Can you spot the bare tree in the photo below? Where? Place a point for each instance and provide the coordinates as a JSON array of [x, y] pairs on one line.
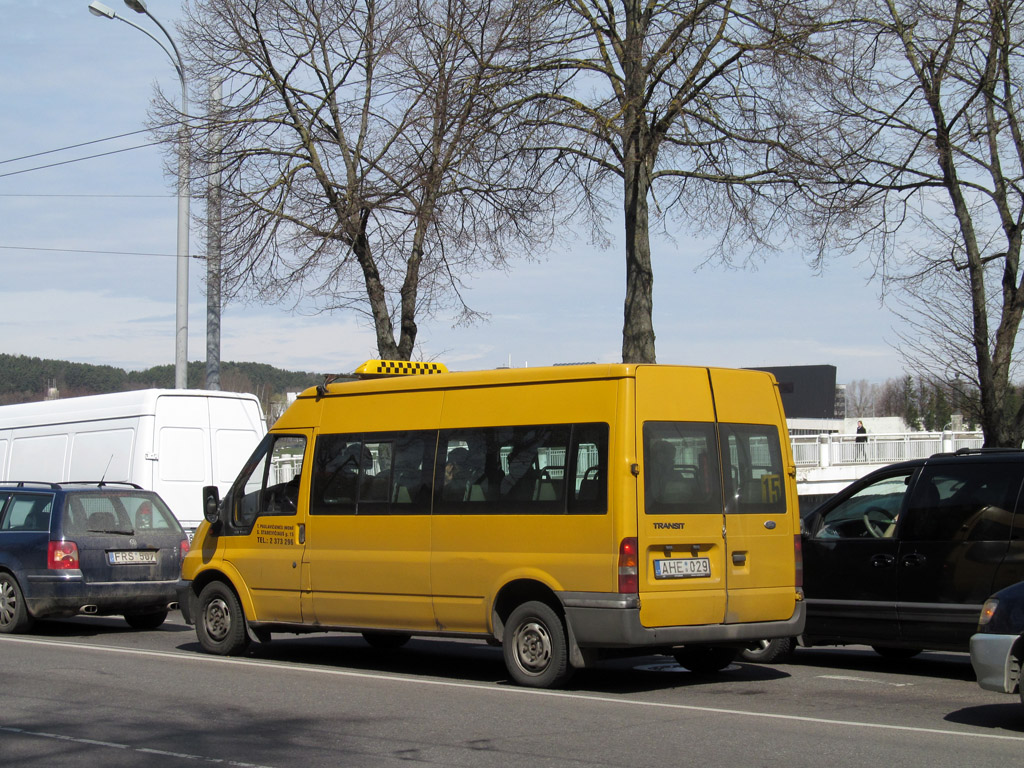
[[678, 101], [369, 152], [927, 164]]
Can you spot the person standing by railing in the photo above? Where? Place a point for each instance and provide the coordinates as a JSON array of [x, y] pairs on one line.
[[861, 440]]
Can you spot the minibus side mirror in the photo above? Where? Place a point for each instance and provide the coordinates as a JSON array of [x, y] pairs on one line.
[[211, 504]]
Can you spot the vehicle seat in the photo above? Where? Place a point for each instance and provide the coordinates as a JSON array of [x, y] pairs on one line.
[[102, 521]]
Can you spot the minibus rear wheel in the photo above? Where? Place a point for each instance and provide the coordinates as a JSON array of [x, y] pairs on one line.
[[535, 646], [220, 623]]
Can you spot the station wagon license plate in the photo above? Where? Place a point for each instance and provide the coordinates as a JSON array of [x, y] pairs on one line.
[[683, 568], [131, 557]]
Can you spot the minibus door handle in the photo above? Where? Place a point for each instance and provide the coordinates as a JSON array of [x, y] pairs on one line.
[[302, 533]]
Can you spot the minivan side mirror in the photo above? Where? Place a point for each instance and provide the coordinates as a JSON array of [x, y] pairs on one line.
[[211, 504]]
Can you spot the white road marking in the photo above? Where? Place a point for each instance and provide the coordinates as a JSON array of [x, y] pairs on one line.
[[852, 679], [129, 747], [200, 658]]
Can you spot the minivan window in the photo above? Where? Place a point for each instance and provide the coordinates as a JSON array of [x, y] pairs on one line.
[[964, 502], [871, 512]]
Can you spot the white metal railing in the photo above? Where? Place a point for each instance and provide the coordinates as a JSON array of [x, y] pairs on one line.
[[834, 449]]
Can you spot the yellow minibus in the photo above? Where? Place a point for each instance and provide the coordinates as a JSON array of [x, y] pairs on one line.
[[566, 513]]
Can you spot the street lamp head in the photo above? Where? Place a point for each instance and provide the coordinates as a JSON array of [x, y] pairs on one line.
[[136, 5], [99, 9]]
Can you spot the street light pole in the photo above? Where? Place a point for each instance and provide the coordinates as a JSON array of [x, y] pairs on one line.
[[181, 313]]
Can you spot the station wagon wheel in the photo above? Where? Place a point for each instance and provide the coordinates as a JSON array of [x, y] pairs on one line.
[[535, 646], [14, 616], [150, 620], [220, 623]]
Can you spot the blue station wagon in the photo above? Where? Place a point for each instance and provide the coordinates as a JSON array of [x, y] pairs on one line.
[[93, 549]]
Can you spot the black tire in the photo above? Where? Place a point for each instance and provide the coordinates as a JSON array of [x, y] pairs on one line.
[[386, 641], [705, 659], [768, 651], [14, 617], [895, 654], [220, 622], [535, 646], [146, 620]]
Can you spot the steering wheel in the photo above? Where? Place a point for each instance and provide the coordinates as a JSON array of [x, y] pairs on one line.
[[883, 517]]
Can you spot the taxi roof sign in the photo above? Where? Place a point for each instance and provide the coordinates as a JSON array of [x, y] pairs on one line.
[[399, 368]]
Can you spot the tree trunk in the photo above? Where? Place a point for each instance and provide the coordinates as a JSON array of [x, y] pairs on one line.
[[638, 322]]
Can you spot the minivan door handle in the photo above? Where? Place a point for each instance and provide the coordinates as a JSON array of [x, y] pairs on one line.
[[882, 561], [302, 533], [913, 561]]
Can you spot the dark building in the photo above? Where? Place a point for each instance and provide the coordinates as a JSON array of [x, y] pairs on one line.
[[808, 391]]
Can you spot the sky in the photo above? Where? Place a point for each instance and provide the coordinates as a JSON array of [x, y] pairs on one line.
[[88, 269]]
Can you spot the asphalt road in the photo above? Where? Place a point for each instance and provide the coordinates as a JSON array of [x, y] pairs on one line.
[[94, 691]]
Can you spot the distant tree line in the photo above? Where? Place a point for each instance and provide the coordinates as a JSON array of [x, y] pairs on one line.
[[28, 379], [924, 403]]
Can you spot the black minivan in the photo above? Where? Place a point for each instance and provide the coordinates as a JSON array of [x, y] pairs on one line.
[[903, 559], [95, 549]]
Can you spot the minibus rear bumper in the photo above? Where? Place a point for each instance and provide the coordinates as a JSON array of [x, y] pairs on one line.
[[598, 620]]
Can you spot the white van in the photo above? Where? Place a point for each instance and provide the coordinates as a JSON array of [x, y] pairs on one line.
[[172, 441]]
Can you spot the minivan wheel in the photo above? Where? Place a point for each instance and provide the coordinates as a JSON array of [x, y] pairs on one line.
[[146, 620], [220, 622], [895, 654], [705, 659], [14, 616], [767, 651], [535, 646]]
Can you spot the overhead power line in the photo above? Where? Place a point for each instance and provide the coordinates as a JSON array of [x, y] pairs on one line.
[[75, 160], [103, 253], [82, 144]]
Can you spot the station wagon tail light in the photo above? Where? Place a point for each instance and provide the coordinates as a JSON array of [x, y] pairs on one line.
[[185, 547], [988, 610], [628, 566], [62, 555]]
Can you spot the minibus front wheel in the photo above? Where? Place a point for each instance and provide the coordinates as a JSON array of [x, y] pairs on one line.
[[220, 622], [535, 646]]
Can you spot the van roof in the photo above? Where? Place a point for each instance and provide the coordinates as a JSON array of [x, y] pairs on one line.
[[138, 402], [490, 377]]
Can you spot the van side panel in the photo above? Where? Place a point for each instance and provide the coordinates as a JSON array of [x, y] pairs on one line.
[[476, 554], [36, 456], [759, 536], [102, 453], [667, 396], [372, 570]]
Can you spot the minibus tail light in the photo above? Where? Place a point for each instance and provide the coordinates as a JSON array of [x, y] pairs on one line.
[[62, 555], [798, 558], [629, 580]]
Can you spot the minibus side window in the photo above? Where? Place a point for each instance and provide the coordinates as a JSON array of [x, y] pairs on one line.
[[681, 468], [754, 481], [270, 481], [523, 469], [378, 474]]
